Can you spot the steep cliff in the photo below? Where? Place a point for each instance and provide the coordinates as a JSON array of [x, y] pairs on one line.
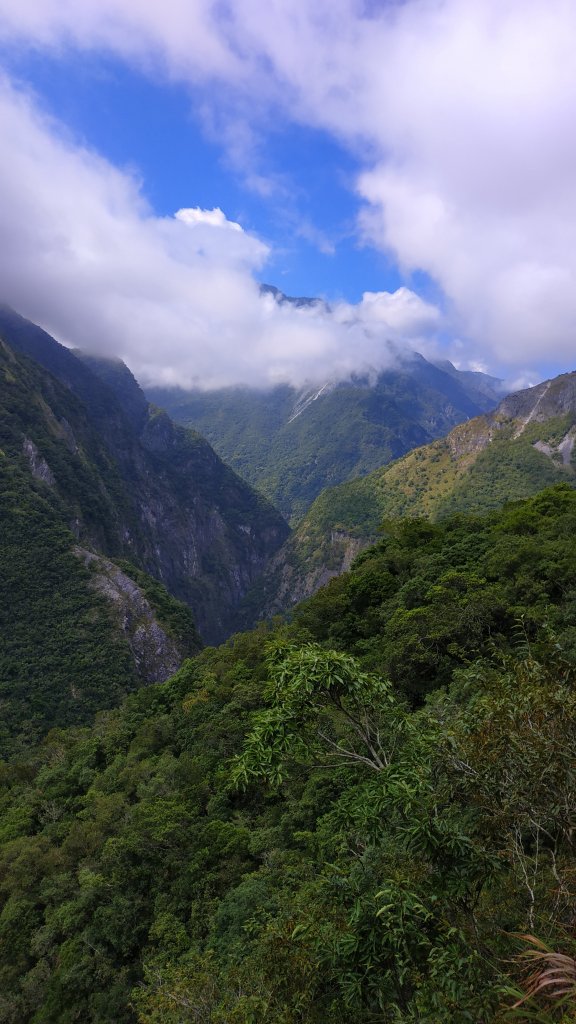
[[145, 489], [76, 633]]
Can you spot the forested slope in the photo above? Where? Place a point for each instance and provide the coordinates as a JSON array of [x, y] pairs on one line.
[[526, 444], [347, 819], [290, 443], [76, 632], [147, 490]]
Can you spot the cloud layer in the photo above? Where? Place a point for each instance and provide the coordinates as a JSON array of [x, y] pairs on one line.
[[84, 255], [461, 111]]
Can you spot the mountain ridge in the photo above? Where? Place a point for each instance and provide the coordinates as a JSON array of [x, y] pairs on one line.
[[178, 512], [525, 444], [292, 442], [108, 521]]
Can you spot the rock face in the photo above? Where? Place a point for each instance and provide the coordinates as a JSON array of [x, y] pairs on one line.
[[137, 486], [39, 467], [551, 398], [156, 657], [295, 573], [526, 444]]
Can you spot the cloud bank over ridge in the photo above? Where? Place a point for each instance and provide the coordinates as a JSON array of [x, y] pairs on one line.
[[175, 297], [461, 113]]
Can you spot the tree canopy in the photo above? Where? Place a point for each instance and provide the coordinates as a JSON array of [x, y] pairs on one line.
[[351, 817]]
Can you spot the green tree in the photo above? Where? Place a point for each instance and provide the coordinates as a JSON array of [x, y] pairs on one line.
[[321, 706]]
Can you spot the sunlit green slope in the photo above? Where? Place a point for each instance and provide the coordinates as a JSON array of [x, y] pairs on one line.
[[525, 445], [291, 443]]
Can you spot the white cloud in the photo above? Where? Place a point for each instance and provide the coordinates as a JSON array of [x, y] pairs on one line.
[[402, 312], [179, 35], [462, 112], [84, 255], [468, 107], [194, 215]]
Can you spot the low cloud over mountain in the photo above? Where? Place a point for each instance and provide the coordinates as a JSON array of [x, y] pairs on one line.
[[459, 114], [176, 297]]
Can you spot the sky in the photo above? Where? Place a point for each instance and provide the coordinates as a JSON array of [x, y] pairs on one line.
[[412, 163]]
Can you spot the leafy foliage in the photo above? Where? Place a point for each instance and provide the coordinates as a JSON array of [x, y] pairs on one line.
[[321, 707], [282, 833]]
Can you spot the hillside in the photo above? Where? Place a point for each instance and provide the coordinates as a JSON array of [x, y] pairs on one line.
[[292, 443], [152, 492], [357, 817], [526, 444], [110, 518], [76, 631]]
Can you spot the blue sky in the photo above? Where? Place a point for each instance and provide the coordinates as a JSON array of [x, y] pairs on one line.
[[157, 131], [356, 152]]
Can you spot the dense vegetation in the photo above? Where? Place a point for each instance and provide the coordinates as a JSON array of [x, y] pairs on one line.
[[131, 483], [291, 444], [64, 651], [344, 819], [480, 465], [476, 468], [62, 656]]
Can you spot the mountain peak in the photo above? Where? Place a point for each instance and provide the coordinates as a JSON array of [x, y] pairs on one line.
[[300, 301], [291, 442], [116, 375]]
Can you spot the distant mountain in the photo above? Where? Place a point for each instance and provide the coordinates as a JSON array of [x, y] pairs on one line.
[[107, 509], [526, 444], [299, 301], [291, 443]]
